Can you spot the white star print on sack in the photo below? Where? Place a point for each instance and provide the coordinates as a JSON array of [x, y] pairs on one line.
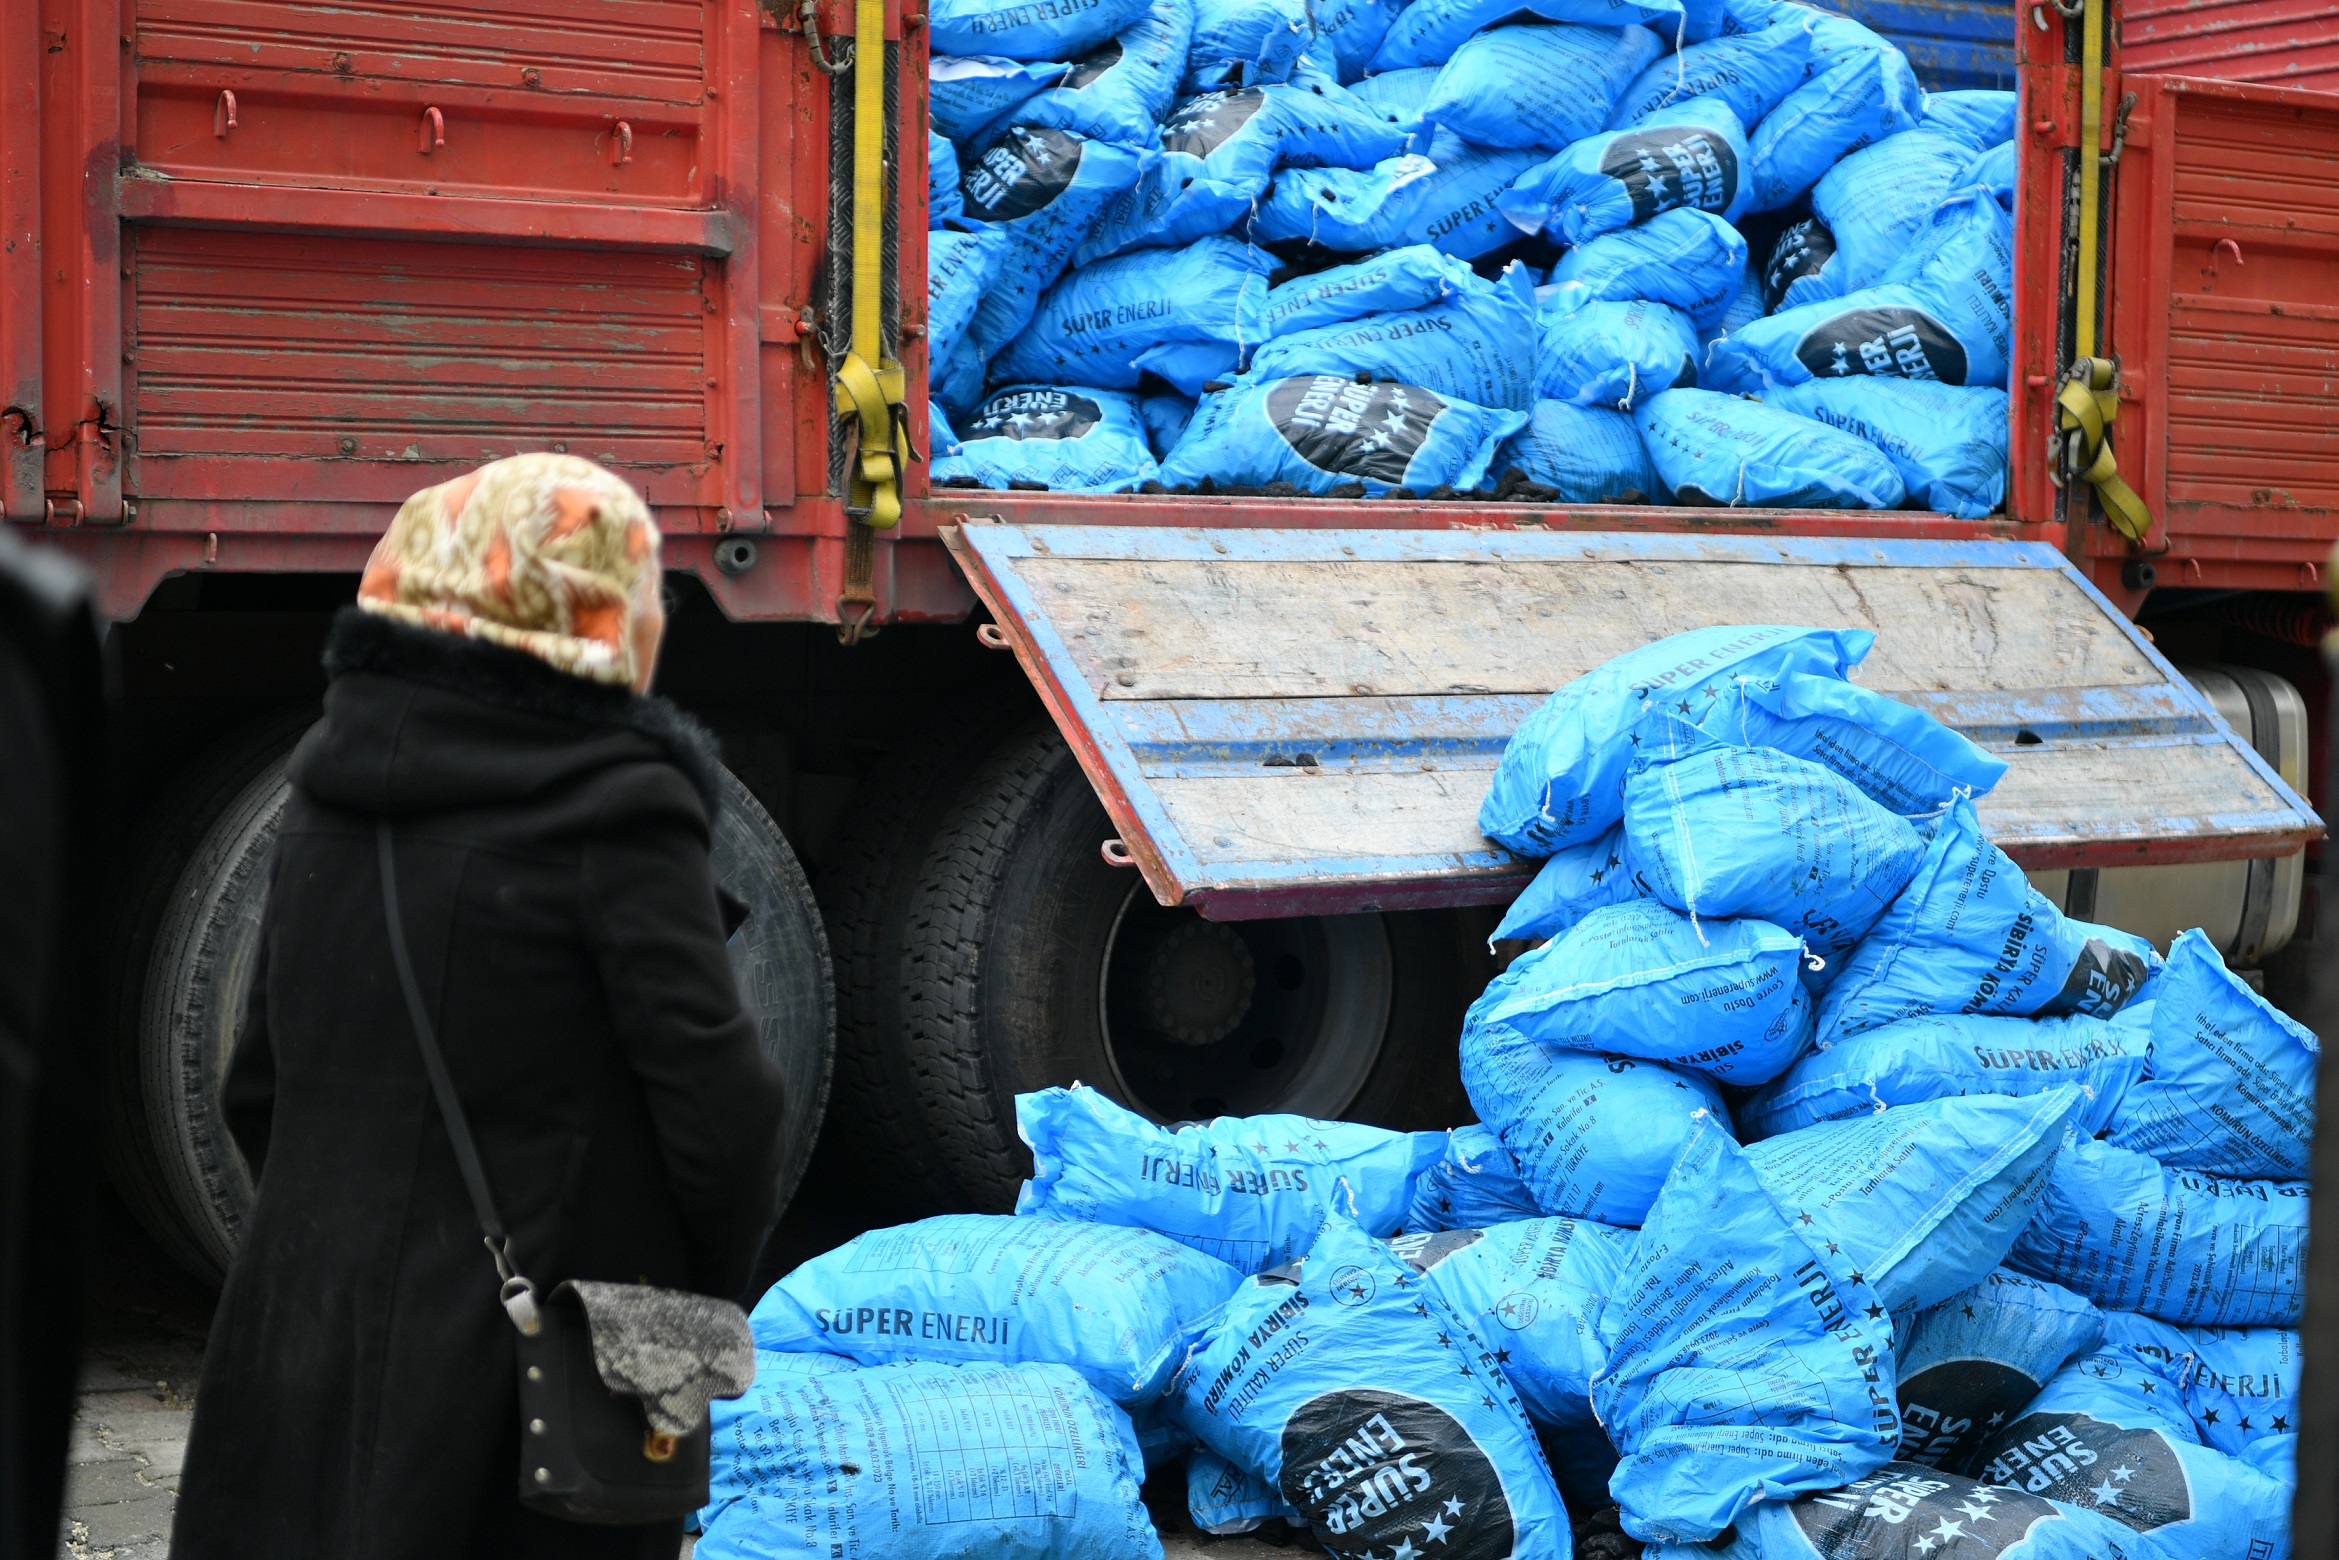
[[1907, 1512], [1345, 1381], [2110, 1434]]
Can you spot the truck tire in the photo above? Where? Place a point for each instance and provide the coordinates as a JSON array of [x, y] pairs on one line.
[[872, 1147], [1030, 961], [185, 1179], [162, 1160]]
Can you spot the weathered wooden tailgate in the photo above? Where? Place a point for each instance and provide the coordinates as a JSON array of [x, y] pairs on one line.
[[1287, 721]]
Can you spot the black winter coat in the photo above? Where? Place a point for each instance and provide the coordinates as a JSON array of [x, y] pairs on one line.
[[358, 1394]]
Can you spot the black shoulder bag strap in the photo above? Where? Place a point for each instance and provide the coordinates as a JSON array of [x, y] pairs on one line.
[[518, 1293]]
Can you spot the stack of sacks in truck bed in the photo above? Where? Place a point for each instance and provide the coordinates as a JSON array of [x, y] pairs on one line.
[[1716, 252], [1827, 1177]]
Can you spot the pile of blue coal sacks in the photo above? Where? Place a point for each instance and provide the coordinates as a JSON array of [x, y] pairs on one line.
[[1833, 1194], [1710, 252]]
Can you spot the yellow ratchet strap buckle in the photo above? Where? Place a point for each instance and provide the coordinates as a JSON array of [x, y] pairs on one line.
[[2087, 403], [873, 398]]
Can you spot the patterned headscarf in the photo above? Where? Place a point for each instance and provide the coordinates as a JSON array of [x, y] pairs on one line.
[[547, 554]]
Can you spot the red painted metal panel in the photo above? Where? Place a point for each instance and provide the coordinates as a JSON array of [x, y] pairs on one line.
[[21, 443], [2279, 42], [2226, 243], [282, 366], [81, 312]]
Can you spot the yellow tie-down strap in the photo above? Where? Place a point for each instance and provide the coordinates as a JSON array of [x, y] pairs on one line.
[[2088, 401], [873, 398]]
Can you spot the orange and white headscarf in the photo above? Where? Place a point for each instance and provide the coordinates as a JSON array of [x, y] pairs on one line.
[[547, 554]]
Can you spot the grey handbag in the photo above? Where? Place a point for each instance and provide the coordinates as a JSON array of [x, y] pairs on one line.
[[614, 1378]]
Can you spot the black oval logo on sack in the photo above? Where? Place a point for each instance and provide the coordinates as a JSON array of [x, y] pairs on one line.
[[1204, 122], [1422, 1252], [2131, 1476], [2101, 981], [1353, 1286], [1947, 1409], [1802, 250], [1338, 425], [1665, 169], [1090, 67], [1904, 1512], [1894, 342], [1019, 173], [1375, 1471], [1034, 414]]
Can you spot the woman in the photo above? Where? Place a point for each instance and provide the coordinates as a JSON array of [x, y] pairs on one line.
[[358, 1393]]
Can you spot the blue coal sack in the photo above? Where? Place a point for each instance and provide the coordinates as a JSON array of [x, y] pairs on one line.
[[1746, 831], [1613, 354], [1907, 1511], [1940, 1056], [1091, 326], [1570, 885], [1975, 1360], [923, 1462], [1951, 319], [1970, 935], [1857, 101], [960, 268], [1028, 29], [1476, 1184], [1397, 96], [1691, 155], [965, 95], [2100, 1439], [1593, 1134], [1350, 31], [1902, 757], [1531, 1291], [1746, 1362], [2188, 1248], [1690, 259], [1043, 188], [1583, 454], [1250, 1190], [1466, 347], [1561, 777], [1446, 199], [1220, 148], [1244, 43], [943, 202], [1924, 1200], [1748, 71], [1112, 1303], [1981, 119], [2240, 1384], [1640, 979], [1322, 431], [1802, 267], [2232, 1087], [1537, 85], [1345, 1382], [1948, 442], [1409, 278], [1878, 199], [1119, 90], [1430, 32], [1165, 417], [1068, 439], [1223, 1499], [1714, 449]]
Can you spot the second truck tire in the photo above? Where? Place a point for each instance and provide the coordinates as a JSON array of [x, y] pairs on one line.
[[1027, 960]]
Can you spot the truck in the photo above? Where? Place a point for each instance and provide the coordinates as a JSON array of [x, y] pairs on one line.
[[1175, 795]]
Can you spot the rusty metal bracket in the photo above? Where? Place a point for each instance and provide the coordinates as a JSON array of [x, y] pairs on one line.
[[808, 13]]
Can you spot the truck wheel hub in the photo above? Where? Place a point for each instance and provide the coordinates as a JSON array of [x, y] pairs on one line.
[[1199, 982]]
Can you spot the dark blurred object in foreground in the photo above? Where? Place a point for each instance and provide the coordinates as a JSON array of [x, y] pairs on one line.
[[51, 720]]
